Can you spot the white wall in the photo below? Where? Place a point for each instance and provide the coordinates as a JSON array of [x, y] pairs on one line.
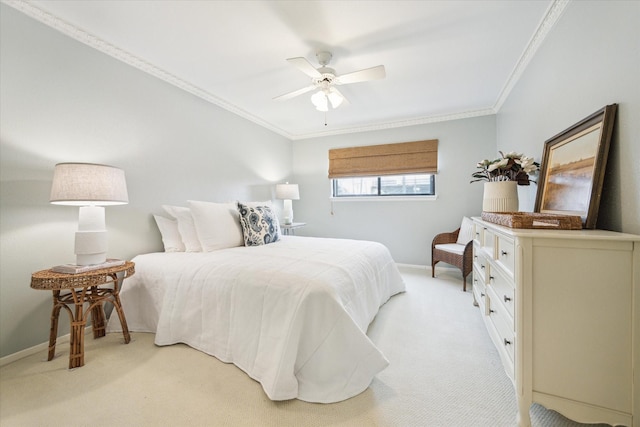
[[590, 59], [405, 227], [63, 101]]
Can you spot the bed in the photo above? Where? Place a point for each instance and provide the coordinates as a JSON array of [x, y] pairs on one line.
[[292, 314]]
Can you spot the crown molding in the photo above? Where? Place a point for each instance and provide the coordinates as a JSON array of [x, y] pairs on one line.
[[546, 24], [399, 123]]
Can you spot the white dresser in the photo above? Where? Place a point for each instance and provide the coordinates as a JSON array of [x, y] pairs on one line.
[[563, 309]]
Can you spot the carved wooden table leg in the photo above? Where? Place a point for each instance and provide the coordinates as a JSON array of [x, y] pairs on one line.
[[98, 320], [53, 333], [118, 307], [78, 323]]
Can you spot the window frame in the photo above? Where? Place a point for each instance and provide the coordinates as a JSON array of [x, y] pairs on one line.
[[378, 195]]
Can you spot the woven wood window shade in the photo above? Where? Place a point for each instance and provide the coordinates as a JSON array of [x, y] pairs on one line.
[[387, 159]]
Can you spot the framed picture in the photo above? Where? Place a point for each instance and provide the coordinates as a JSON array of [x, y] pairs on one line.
[[573, 166]]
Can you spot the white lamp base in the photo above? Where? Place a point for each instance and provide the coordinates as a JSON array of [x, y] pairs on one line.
[[91, 259], [91, 237], [287, 212]]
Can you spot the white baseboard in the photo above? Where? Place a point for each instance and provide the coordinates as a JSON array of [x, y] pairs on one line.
[[43, 347], [414, 266], [427, 267]]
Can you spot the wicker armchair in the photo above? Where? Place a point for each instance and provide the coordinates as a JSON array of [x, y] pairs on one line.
[[460, 256]]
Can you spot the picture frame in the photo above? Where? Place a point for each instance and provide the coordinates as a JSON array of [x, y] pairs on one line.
[[573, 168]]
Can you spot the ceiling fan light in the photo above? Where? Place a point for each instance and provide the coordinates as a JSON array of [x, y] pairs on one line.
[[335, 98], [319, 99]]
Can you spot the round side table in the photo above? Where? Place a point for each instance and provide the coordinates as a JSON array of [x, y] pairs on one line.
[[83, 288]]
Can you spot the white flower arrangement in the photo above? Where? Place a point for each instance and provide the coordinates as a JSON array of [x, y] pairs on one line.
[[510, 167]]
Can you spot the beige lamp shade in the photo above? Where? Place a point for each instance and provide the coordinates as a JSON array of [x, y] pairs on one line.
[[82, 184], [287, 191]]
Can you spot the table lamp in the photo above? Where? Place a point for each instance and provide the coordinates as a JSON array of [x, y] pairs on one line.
[[287, 192], [90, 186]]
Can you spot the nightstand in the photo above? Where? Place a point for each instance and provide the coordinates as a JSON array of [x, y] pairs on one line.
[[83, 288], [290, 229]]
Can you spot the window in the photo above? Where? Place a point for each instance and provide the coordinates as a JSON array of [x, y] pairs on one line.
[[392, 185]]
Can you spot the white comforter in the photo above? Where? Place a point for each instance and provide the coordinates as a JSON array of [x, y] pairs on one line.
[[292, 314]]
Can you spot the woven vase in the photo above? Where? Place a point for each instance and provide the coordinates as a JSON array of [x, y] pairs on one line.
[[500, 196]]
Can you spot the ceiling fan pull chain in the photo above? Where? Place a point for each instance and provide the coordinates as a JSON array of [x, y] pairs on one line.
[[325, 118]]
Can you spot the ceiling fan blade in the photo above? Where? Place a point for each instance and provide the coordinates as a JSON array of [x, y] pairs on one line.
[[373, 73], [305, 66], [294, 93]]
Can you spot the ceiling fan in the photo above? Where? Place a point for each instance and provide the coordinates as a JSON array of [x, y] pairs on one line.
[[324, 80]]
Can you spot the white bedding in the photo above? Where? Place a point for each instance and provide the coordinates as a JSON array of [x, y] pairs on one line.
[[292, 314]]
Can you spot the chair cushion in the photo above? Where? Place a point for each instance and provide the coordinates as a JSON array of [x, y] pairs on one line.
[[451, 247], [466, 231]]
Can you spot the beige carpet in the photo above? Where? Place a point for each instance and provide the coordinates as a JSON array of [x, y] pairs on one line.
[[444, 371]]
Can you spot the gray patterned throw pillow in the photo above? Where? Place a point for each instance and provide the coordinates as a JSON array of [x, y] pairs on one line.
[[259, 225]]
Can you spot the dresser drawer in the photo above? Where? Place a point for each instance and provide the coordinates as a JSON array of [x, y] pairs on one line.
[[503, 288], [502, 322], [479, 289], [505, 253], [479, 296], [478, 233], [478, 279], [480, 262], [489, 242]]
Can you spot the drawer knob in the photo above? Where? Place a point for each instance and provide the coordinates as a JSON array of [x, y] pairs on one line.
[[481, 294], [503, 253], [506, 299], [491, 311], [482, 266], [507, 342], [491, 278]]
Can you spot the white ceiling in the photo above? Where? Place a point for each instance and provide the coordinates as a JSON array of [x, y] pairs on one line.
[[444, 59]]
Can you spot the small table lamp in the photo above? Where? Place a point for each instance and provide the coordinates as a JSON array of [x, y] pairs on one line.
[[91, 187], [287, 192]]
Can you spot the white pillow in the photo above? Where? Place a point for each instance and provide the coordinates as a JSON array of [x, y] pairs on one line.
[[171, 238], [217, 224], [466, 231], [185, 227]]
